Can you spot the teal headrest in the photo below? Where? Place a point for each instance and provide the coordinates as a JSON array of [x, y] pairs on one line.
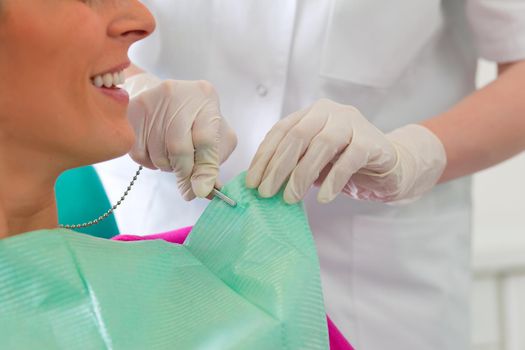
[[82, 198]]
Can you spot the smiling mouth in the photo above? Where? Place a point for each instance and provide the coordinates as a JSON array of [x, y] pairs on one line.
[[109, 80]]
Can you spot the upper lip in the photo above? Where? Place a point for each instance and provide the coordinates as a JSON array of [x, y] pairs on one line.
[[115, 69]]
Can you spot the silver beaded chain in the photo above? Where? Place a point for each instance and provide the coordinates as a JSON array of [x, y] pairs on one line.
[[108, 213]]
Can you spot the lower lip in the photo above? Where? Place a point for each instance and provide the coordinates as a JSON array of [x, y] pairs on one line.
[[119, 95]]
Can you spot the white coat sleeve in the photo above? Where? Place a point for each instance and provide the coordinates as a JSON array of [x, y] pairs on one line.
[[499, 28]]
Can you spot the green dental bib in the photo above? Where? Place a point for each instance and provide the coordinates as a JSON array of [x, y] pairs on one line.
[[246, 278]]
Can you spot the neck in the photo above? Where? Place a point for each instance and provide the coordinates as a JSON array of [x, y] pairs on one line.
[[27, 198]]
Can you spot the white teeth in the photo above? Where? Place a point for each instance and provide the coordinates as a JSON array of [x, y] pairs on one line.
[[98, 81], [122, 77], [109, 79]]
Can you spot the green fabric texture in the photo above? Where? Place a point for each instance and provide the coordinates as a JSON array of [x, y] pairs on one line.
[[247, 278], [82, 198]]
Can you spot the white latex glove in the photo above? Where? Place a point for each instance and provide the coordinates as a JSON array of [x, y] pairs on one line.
[[334, 146], [179, 128]]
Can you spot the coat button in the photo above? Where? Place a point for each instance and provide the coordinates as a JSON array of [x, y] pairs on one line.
[[262, 90]]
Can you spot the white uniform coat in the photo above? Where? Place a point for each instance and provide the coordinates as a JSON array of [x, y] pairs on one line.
[[394, 277]]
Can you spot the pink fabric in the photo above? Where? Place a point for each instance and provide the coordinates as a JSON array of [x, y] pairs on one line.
[[177, 236], [337, 340]]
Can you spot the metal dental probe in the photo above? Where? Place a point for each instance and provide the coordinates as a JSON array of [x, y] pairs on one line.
[[224, 198]]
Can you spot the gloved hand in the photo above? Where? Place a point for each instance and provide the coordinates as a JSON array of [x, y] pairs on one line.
[[179, 128], [335, 147]]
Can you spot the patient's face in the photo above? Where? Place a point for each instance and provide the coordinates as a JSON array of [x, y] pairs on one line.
[[50, 52]]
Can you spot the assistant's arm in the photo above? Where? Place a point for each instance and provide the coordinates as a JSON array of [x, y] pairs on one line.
[[486, 127]]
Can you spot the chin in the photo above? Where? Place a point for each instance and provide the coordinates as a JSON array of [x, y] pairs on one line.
[[121, 145], [111, 146]]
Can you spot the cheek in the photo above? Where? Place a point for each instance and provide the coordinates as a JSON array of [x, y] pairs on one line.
[[48, 68]]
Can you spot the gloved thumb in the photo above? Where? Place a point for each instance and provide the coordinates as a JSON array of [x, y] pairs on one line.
[[206, 140]]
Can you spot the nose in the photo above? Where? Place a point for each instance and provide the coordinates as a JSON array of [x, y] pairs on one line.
[[133, 23]]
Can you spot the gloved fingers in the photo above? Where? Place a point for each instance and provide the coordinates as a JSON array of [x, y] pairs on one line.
[[353, 158], [159, 111], [179, 146], [185, 189], [137, 115], [182, 167], [158, 137], [288, 153], [268, 147], [327, 145], [218, 185], [324, 173], [206, 141], [281, 165], [262, 157], [228, 141], [307, 171], [180, 152]]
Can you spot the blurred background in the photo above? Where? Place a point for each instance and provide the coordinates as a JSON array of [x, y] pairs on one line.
[[498, 255]]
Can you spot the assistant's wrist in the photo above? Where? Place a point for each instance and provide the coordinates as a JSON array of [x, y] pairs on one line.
[[422, 160]]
